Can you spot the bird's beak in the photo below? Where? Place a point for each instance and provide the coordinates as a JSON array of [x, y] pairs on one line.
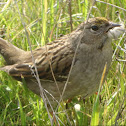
[[112, 25]]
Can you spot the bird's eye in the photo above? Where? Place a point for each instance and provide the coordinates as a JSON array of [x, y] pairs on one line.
[[94, 28]]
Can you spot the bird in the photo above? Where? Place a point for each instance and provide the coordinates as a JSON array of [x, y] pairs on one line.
[[73, 62]]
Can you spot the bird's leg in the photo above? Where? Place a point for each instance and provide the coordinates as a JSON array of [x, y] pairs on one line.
[[67, 102]]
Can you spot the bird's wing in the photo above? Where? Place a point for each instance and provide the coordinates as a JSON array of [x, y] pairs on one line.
[[52, 61]]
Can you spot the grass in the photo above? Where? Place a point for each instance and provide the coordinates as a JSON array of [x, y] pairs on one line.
[[45, 21]]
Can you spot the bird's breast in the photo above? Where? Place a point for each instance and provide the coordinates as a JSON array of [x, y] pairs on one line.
[[87, 71]]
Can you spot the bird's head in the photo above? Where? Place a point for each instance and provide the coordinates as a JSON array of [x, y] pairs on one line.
[[99, 30]]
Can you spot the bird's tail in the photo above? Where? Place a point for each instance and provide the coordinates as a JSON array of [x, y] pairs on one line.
[[10, 52]]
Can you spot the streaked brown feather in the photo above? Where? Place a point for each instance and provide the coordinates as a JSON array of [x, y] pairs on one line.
[[50, 59]]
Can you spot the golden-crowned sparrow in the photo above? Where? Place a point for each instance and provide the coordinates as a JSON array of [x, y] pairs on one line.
[[91, 42]]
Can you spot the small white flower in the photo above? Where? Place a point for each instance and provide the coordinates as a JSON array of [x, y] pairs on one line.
[[77, 107], [8, 89]]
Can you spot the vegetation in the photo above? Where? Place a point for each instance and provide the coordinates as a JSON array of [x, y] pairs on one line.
[[44, 21]]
